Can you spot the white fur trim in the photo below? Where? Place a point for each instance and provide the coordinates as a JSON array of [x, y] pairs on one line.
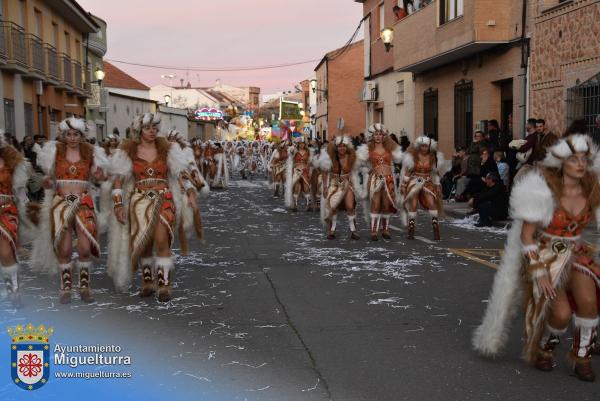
[[325, 162], [47, 157], [101, 161], [42, 255], [491, 336], [530, 248], [531, 199], [72, 123], [586, 323], [537, 273], [345, 139], [561, 150], [398, 155], [362, 154], [120, 164], [424, 140]]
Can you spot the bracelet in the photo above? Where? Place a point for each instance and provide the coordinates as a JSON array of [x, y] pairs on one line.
[[116, 205]]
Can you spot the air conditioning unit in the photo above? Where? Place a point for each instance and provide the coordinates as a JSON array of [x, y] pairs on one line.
[[370, 92]]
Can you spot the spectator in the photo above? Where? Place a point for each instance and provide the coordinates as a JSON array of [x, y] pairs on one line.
[[503, 169], [404, 143], [394, 138], [545, 140], [473, 164], [409, 6], [492, 202], [493, 135], [116, 131], [477, 182], [28, 150], [399, 12], [449, 180]]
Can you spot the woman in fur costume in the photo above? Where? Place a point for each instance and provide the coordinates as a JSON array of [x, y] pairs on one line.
[[316, 177], [70, 165], [551, 205], [221, 177], [341, 167], [14, 173], [298, 175], [192, 183], [383, 153], [422, 169], [278, 166], [148, 203]]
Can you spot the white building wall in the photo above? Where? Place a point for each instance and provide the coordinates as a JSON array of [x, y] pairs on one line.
[[174, 119], [182, 98], [398, 117], [144, 94]]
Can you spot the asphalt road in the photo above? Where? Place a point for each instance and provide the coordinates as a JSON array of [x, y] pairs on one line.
[[266, 308]]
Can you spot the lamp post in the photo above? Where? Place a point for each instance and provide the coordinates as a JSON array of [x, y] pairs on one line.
[[99, 75], [167, 100], [387, 36], [170, 78]]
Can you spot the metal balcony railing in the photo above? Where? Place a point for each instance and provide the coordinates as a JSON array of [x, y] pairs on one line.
[[51, 62], [67, 69], [36, 53], [78, 78], [15, 43], [3, 52]]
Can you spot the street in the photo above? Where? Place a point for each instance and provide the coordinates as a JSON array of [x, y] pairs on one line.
[[267, 309]]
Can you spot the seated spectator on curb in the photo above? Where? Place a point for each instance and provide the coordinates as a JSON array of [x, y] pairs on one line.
[[451, 178], [477, 183], [503, 169], [492, 202]]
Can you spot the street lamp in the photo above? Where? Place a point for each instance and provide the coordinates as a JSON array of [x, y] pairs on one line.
[[99, 75], [167, 99], [387, 36]]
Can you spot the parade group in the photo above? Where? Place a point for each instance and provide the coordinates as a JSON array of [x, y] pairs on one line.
[[144, 192]]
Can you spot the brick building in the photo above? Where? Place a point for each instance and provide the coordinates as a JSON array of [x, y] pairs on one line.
[[565, 62], [339, 78], [466, 57], [388, 95]]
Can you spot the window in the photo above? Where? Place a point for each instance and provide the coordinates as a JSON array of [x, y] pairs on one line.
[[583, 102], [9, 115], [450, 9], [381, 17], [400, 92], [463, 113], [38, 28], [55, 35], [23, 13], [67, 44]]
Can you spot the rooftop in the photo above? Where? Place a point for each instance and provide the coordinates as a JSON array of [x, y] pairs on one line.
[[117, 78]]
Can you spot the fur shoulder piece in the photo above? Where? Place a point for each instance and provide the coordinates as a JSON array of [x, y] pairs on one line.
[[408, 161], [274, 156], [47, 157], [100, 159], [531, 199], [176, 160], [443, 166], [325, 162], [398, 155], [21, 174], [120, 163], [362, 154]]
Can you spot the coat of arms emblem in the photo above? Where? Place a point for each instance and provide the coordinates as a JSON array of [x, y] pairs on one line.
[[30, 355]]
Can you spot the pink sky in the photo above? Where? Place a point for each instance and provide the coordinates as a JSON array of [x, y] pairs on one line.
[[224, 33]]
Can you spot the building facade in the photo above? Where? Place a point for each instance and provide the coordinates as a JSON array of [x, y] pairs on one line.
[[468, 59], [123, 108], [339, 84], [95, 107], [388, 94], [44, 75], [565, 62]]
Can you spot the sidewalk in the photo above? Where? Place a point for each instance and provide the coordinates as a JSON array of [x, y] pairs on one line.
[[461, 210]]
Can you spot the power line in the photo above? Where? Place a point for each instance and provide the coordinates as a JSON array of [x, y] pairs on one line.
[[215, 69]]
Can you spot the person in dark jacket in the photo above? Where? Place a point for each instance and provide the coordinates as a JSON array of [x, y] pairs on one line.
[[477, 182], [492, 202]]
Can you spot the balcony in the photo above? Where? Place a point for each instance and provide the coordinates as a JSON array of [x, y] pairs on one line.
[[35, 52], [78, 80], [52, 65], [422, 44], [66, 76], [16, 48]]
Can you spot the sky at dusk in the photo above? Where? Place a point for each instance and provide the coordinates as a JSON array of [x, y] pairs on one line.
[[225, 33]]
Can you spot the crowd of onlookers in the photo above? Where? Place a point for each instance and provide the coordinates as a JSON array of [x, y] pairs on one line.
[[483, 172]]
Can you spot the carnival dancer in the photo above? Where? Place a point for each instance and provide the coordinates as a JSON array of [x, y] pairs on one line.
[[71, 165], [383, 196], [298, 171], [111, 144], [278, 167], [316, 178], [193, 184], [147, 205], [252, 159], [551, 205], [198, 146], [221, 177], [14, 173], [341, 168], [422, 168]]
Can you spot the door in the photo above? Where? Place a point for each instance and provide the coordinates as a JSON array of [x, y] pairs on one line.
[[463, 113]]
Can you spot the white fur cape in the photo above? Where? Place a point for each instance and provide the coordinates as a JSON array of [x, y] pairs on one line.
[[531, 201], [119, 253], [193, 167], [27, 230], [289, 174], [43, 257], [222, 170]]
